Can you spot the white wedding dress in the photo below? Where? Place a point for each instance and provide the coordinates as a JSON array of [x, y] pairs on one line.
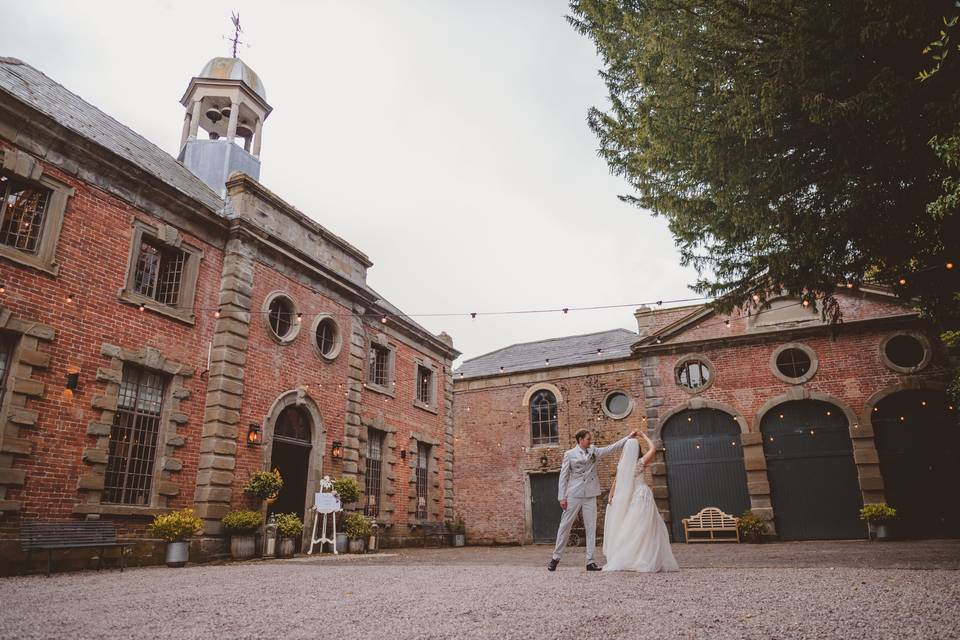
[[634, 535]]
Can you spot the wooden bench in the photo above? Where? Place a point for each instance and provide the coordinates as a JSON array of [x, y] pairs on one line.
[[71, 534], [712, 521]]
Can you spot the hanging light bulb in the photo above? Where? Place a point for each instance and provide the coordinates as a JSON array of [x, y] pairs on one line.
[[726, 323], [299, 318], [3, 288], [949, 265], [849, 285], [903, 281], [216, 314], [142, 307], [383, 320], [756, 297], [69, 298]]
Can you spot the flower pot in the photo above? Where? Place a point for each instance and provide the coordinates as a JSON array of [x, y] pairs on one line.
[[341, 542], [242, 546], [457, 539], [356, 546], [752, 538], [287, 547], [177, 554], [881, 531]]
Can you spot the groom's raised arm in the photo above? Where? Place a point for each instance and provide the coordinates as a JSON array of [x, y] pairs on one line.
[[610, 448], [564, 477]]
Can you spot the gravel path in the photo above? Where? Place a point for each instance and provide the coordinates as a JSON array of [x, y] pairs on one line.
[[465, 594]]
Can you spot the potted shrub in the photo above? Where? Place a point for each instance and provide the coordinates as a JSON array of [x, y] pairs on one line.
[[289, 530], [358, 529], [242, 525], [752, 527], [347, 489], [175, 527], [878, 518], [265, 485]]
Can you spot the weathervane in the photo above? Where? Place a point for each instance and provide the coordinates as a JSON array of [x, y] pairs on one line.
[[237, 30]]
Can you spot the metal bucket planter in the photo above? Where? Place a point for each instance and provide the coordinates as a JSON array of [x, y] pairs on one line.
[[881, 531], [286, 548], [177, 554], [457, 539], [356, 546], [242, 546]]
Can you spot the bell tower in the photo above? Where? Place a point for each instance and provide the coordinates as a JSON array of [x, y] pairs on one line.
[[228, 102]]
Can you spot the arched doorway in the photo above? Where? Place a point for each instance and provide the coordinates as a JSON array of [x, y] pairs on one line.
[[918, 441], [813, 478], [292, 444], [704, 462]]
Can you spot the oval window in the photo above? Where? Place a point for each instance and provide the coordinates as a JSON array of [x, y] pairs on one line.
[[280, 315], [905, 351], [693, 374], [617, 404], [793, 363], [328, 338]]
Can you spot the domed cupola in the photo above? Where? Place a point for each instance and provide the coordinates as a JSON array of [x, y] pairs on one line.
[[228, 101]]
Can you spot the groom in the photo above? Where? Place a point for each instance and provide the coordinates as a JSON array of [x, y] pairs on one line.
[[579, 488]]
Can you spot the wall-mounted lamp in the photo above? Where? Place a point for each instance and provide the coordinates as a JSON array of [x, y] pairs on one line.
[[254, 435], [73, 382], [336, 450], [544, 461]]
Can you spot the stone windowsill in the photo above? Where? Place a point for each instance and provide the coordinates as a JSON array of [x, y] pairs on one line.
[[426, 407], [28, 260], [372, 386], [120, 510], [129, 297]]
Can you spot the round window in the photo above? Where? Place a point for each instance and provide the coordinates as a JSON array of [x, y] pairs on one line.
[[617, 404], [693, 374], [793, 363], [281, 316], [327, 335], [905, 351]]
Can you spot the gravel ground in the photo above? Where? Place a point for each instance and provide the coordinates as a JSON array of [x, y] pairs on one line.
[[505, 593]]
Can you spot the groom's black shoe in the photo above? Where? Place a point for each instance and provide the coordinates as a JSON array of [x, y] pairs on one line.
[[593, 567], [553, 564]]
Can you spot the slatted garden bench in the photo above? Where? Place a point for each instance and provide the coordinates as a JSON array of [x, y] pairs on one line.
[[714, 522], [71, 534]]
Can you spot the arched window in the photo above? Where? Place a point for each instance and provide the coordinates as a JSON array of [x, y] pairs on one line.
[[543, 418]]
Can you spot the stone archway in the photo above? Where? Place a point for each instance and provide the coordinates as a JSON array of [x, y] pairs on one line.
[[298, 400]]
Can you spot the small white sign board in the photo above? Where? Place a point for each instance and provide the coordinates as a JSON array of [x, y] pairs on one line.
[[324, 503]]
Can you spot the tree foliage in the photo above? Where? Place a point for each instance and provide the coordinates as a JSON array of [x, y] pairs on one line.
[[787, 142]]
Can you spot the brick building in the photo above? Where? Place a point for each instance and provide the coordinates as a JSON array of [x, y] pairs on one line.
[[770, 408], [160, 315]]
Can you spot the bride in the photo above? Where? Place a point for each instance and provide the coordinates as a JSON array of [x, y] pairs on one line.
[[634, 535]]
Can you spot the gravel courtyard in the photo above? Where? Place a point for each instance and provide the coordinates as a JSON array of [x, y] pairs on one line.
[[787, 590]]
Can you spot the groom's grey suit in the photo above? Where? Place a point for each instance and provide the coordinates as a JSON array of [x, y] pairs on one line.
[[580, 486]]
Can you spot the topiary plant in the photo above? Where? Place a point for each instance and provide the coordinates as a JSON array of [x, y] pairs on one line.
[[289, 525], [176, 526], [877, 513], [751, 525], [356, 526], [347, 489], [264, 484], [242, 521]]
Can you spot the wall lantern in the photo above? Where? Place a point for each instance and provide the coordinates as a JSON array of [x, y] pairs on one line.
[[543, 460], [254, 435], [336, 450], [72, 383]]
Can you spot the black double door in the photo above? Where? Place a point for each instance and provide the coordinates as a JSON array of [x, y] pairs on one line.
[[544, 506], [292, 459], [813, 479], [704, 465], [918, 443]]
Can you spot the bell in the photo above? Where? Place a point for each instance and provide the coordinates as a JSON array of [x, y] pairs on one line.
[[225, 112], [244, 130], [214, 135], [214, 114]]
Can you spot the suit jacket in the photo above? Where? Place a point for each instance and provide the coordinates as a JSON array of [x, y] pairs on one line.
[[578, 474]]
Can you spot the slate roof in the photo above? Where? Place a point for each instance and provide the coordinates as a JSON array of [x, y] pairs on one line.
[[33, 88], [562, 352]]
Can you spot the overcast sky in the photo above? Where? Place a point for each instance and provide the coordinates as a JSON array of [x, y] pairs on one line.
[[447, 140]]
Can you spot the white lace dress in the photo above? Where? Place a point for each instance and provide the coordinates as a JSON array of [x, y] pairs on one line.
[[636, 539]]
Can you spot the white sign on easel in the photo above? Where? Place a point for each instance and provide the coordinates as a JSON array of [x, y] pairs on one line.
[[324, 503]]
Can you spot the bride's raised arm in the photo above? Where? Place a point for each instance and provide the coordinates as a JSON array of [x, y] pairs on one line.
[[651, 450]]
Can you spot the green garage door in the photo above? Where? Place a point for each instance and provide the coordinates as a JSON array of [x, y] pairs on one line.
[[813, 479]]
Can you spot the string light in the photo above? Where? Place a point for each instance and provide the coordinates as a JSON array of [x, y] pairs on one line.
[[726, 322], [69, 298], [299, 318], [217, 314], [949, 265], [3, 288], [383, 320], [902, 281], [142, 307]]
